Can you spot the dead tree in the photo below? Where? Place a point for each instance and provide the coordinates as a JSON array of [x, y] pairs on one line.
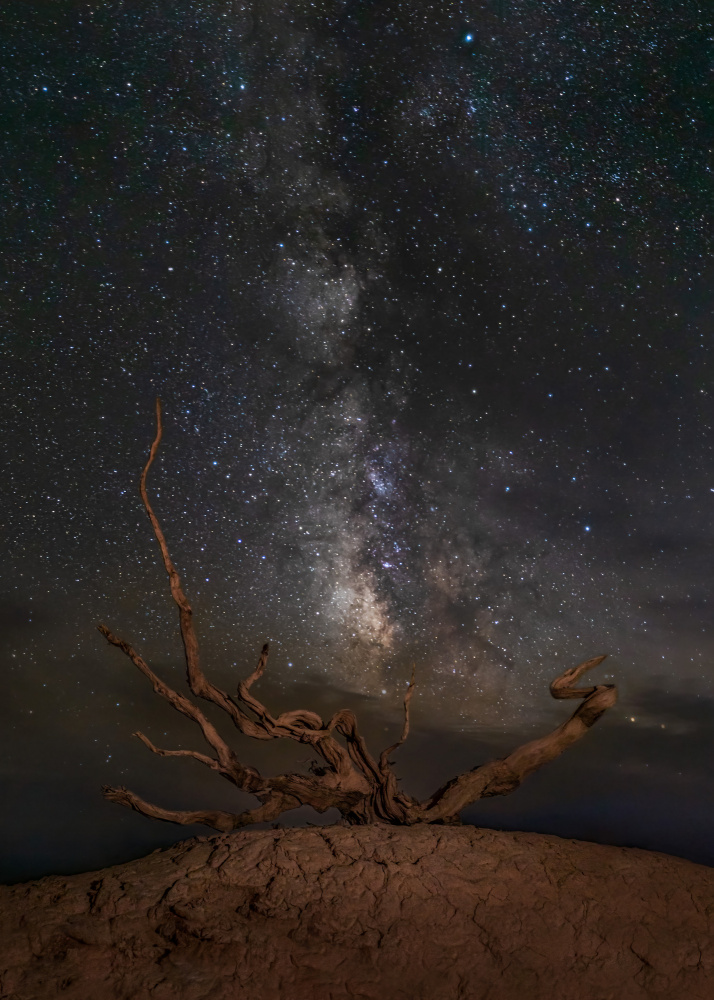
[[363, 788]]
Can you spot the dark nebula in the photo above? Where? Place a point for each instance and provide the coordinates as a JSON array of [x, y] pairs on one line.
[[426, 292]]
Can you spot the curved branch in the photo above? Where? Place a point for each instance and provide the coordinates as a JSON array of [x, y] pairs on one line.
[[265, 720], [188, 633], [287, 724], [216, 818], [499, 777], [246, 778], [259, 670], [299, 718], [562, 687], [384, 756], [387, 803], [345, 723], [202, 757], [197, 681], [307, 727]]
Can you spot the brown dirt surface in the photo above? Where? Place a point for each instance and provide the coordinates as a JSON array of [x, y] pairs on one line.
[[375, 912]]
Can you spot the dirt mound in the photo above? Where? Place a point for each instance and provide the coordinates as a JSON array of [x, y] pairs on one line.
[[366, 912]]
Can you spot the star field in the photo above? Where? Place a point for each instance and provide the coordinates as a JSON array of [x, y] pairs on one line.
[[426, 293]]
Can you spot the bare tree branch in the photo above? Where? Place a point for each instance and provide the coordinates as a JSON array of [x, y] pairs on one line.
[[259, 670], [246, 777], [562, 687], [197, 682], [202, 757], [499, 777], [384, 756], [216, 818]]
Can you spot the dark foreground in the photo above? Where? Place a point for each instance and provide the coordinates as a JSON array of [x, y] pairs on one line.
[[392, 913]]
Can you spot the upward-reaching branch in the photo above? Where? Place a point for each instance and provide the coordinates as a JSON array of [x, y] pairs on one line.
[[499, 777], [196, 681], [266, 727], [384, 756]]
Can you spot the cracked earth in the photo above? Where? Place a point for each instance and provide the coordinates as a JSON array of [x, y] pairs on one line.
[[366, 913]]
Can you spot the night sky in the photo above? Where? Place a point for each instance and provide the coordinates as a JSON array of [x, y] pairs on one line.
[[426, 292]]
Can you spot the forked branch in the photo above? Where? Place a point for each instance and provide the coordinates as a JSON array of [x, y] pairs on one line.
[[363, 789]]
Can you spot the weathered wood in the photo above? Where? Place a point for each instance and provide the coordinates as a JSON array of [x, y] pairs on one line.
[[363, 789]]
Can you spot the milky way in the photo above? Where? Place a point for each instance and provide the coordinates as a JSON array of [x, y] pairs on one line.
[[426, 293]]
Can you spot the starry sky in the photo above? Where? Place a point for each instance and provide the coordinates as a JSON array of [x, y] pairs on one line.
[[426, 292]]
